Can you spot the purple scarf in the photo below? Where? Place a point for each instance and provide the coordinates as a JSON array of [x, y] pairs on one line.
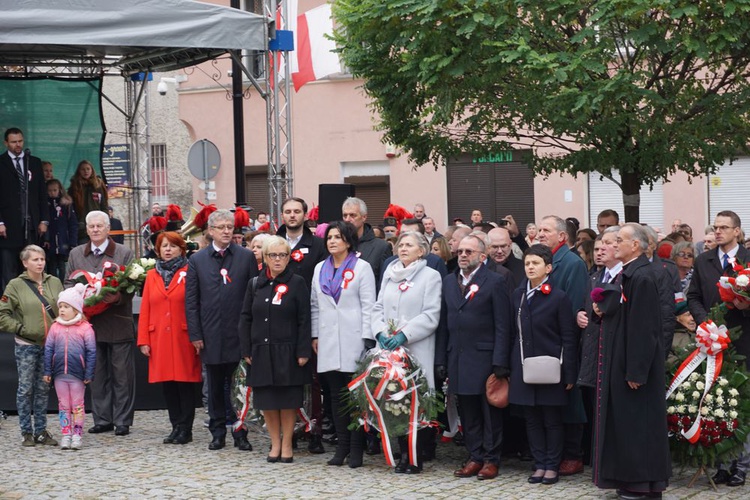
[[331, 278]]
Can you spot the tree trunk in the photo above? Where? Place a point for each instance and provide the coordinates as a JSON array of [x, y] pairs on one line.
[[631, 198]]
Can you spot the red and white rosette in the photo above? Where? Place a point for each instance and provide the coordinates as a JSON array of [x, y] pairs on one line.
[[712, 340], [280, 290], [395, 371], [348, 277], [181, 277], [225, 276], [405, 285], [473, 289], [297, 255]]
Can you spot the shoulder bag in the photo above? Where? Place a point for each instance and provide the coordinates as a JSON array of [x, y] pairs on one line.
[[538, 369], [41, 298]]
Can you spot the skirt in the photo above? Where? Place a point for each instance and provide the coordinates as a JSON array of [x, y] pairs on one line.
[[278, 397]]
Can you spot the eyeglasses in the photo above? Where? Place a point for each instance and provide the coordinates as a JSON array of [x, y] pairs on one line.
[[277, 256], [722, 228], [226, 227], [462, 251], [684, 255]]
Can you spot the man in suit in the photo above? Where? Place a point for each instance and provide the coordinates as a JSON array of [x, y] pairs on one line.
[[21, 222], [429, 229], [473, 343], [702, 295], [373, 250], [307, 251], [116, 225], [670, 288], [215, 285], [113, 386], [501, 251]]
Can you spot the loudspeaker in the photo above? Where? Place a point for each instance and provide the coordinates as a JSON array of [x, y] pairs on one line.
[[331, 197]]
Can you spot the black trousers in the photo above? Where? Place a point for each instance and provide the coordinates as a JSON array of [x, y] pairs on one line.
[[483, 428], [544, 426], [219, 377], [181, 401], [11, 263], [113, 387]]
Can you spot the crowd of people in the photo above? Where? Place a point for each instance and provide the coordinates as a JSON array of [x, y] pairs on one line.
[[300, 303]]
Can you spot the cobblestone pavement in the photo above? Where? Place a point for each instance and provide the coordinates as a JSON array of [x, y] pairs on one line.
[[140, 466]]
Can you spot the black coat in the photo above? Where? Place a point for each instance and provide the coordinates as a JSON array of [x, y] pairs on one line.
[[11, 200], [516, 267], [631, 431], [212, 307], [548, 327], [589, 345], [474, 334], [62, 232], [275, 335], [510, 280], [668, 281], [703, 294], [306, 254]]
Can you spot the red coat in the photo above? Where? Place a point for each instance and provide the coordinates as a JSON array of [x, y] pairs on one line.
[[163, 327]]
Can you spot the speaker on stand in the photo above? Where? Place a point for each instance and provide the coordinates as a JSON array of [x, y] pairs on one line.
[[331, 197]]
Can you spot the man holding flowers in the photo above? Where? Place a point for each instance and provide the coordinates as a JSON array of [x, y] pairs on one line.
[[703, 293], [113, 386]]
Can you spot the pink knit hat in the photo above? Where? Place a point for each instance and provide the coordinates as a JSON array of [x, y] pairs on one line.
[[73, 297]]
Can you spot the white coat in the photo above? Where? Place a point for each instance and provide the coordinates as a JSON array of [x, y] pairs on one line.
[[341, 329], [416, 311]]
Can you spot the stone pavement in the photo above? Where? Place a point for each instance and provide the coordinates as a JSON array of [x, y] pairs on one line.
[[140, 466]]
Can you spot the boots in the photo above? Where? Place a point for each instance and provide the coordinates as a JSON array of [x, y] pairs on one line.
[[342, 446], [357, 448]]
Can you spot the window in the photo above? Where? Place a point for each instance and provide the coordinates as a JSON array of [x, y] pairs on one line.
[[727, 190], [159, 174], [256, 189], [605, 194]]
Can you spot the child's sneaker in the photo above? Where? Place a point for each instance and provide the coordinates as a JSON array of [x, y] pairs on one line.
[[77, 443], [65, 442]]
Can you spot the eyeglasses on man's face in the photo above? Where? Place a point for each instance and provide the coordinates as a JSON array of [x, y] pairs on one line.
[[225, 227]]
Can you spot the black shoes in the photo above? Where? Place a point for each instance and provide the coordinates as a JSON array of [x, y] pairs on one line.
[[243, 444], [273, 460], [216, 444], [286, 460], [315, 445], [122, 430], [170, 439], [183, 437], [730, 478], [99, 428], [373, 445]]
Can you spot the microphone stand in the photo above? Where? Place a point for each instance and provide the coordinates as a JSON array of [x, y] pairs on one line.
[[27, 229]]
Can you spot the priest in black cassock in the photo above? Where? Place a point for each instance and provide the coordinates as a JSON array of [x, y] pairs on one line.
[[631, 448]]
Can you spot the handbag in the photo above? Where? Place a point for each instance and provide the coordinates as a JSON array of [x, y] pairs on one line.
[[538, 369], [496, 390]]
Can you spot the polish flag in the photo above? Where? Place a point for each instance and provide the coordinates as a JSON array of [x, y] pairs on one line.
[[313, 57]]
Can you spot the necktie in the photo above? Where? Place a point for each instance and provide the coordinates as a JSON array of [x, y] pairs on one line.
[[726, 262], [19, 168], [606, 277], [221, 253], [97, 252]]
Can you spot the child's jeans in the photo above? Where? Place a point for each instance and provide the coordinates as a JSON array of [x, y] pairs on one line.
[[70, 392]]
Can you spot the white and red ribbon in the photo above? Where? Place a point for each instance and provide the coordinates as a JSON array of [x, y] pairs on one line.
[[181, 277], [225, 276], [348, 277], [281, 290], [473, 289], [712, 340], [405, 285]]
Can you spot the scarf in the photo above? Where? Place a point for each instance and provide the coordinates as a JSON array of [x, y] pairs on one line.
[[397, 273], [166, 269], [73, 321], [331, 278]]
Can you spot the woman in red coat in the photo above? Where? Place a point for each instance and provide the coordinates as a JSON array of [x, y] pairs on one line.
[[163, 336]]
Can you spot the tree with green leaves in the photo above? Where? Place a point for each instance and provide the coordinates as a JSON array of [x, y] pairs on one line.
[[644, 88]]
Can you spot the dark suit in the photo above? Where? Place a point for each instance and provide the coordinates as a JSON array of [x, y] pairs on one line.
[[668, 281], [473, 337], [516, 267], [306, 254], [11, 211], [213, 309]]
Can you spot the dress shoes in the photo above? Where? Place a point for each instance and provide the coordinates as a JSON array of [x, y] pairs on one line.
[[216, 444], [630, 495], [550, 480], [170, 439], [373, 445], [736, 479], [286, 460], [122, 430], [243, 444], [570, 467], [99, 428], [183, 437], [721, 477], [273, 460], [315, 446], [402, 465], [471, 469], [413, 469], [536, 479], [488, 471]]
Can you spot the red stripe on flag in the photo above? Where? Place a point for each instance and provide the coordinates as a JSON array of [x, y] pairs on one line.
[[306, 72]]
